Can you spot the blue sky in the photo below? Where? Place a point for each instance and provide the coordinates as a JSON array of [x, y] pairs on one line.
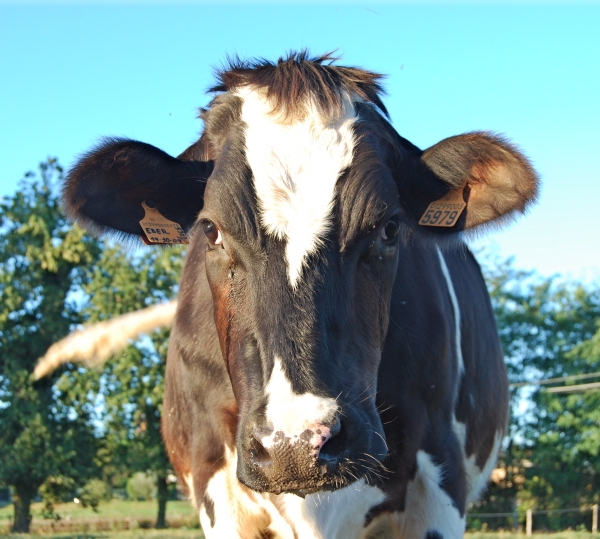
[[71, 73]]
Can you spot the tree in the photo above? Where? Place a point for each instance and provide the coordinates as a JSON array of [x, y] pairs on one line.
[[549, 329], [141, 486], [132, 385], [42, 261], [94, 492], [128, 392], [566, 428], [56, 489]]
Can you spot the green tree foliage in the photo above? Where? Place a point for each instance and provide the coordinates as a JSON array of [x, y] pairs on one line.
[[549, 329], [94, 492], [141, 486], [131, 385], [565, 432], [56, 489], [42, 262], [52, 278]]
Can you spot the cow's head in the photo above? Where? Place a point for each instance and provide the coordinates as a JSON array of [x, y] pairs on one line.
[[301, 191]]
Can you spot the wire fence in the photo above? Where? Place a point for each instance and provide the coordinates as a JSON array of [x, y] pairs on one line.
[[530, 513], [86, 525]]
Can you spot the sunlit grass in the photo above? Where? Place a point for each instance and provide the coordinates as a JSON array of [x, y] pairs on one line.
[[114, 508], [138, 534], [137, 517], [508, 535], [176, 510]]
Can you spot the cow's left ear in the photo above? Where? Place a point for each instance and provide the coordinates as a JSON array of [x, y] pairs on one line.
[[106, 188], [491, 175]]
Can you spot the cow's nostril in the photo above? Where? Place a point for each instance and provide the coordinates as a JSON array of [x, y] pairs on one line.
[[257, 452], [334, 447]]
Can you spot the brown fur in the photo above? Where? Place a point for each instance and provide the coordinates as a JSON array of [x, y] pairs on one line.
[[298, 77], [499, 179]]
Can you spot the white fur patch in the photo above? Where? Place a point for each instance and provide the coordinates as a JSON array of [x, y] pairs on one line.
[[239, 512], [477, 478], [454, 300], [189, 481], [428, 506], [295, 167], [331, 515], [291, 413]]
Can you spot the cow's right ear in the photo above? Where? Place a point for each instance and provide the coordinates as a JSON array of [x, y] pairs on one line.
[[105, 189]]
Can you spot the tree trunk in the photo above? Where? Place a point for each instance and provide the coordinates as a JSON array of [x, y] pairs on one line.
[[163, 498], [515, 515], [22, 498]]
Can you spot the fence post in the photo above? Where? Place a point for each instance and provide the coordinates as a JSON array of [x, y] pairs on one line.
[[529, 523], [595, 518]]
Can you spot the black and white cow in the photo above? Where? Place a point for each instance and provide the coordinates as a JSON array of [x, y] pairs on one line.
[[334, 370]]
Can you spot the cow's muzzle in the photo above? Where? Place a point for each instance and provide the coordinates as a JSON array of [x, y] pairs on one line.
[[300, 463]]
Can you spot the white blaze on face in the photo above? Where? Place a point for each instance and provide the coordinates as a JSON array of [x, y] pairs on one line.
[[296, 165], [293, 414]]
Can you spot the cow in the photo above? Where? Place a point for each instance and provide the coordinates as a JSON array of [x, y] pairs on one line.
[[334, 370]]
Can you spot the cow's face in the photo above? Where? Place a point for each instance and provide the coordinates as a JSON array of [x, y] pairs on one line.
[[302, 220], [301, 211]]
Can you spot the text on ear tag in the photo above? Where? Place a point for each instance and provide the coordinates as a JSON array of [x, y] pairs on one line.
[[159, 229], [445, 211]]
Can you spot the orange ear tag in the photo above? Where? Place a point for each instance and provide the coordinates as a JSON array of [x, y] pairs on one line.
[[445, 211], [159, 230]]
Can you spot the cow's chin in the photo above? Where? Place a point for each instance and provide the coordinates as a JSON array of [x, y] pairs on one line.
[[302, 488], [318, 476]]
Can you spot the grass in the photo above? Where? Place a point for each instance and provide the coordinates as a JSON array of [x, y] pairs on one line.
[[112, 509], [139, 534], [197, 534], [508, 535], [117, 518], [177, 512]]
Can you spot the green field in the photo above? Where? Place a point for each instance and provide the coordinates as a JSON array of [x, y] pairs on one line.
[[118, 518], [114, 508], [508, 535], [197, 534], [140, 534], [141, 516]]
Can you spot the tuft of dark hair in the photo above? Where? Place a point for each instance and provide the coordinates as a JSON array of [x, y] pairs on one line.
[[298, 77]]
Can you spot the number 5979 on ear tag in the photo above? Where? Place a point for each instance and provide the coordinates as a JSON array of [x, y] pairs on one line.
[[445, 211]]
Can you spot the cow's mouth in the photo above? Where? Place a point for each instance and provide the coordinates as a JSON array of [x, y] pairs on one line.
[[319, 476], [298, 465], [301, 489]]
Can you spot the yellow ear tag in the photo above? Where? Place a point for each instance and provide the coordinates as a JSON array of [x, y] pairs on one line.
[[159, 229], [445, 211]]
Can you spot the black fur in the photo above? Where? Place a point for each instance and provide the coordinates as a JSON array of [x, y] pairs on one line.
[[209, 507], [104, 191]]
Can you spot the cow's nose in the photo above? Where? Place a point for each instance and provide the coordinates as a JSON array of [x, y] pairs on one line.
[[316, 444]]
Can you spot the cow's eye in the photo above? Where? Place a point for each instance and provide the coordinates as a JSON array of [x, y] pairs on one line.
[[212, 233], [390, 230]]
